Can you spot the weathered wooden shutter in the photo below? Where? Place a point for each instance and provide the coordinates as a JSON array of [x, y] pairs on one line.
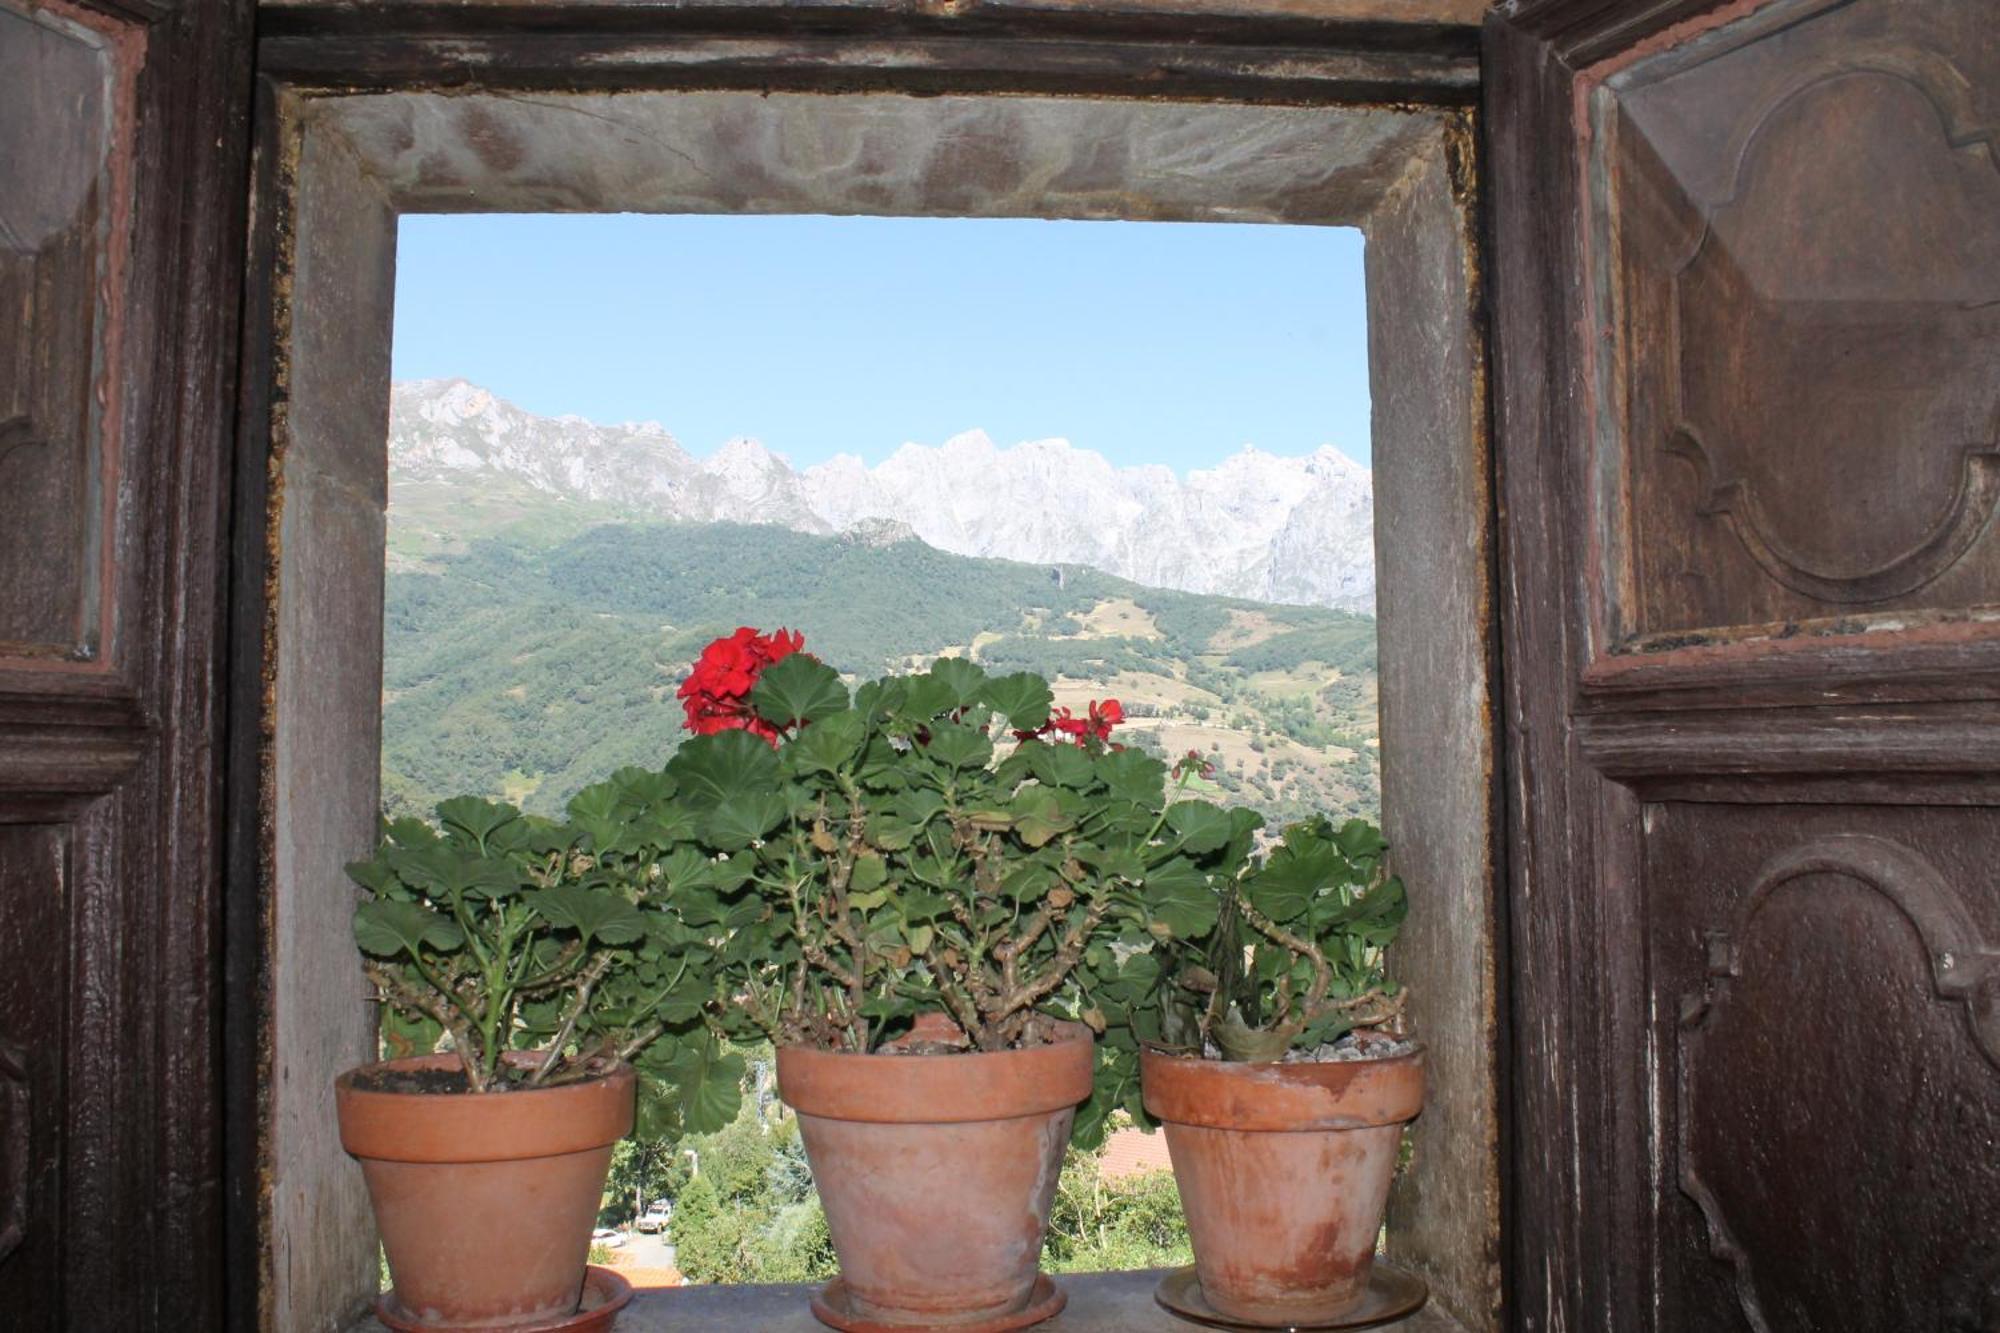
[[1747, 293], [122, 168]]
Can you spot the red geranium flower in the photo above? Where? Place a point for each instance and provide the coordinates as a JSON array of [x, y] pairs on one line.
[[1194, 764], [716, 694], [1103, 716]]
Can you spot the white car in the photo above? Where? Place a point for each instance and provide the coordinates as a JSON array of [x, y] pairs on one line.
[[607, 1237], [656, 1216]]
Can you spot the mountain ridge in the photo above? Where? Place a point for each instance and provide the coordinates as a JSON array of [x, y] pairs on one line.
[[526, 665], [1294, 531]]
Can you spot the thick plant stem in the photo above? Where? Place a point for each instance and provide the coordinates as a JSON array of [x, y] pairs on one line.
[[395, 992], [584, 986]]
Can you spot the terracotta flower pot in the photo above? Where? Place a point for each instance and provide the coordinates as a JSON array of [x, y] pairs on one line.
[[1283, 1171], [485, 1202], [937, 1172]]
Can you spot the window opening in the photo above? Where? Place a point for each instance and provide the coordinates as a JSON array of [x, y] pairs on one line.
[[1131, 456]]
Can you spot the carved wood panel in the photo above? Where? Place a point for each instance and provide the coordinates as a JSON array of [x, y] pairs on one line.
[[1797, 290], [33, 889], [65, 155], [1827, 1008], [123, 161], [1747, 373]]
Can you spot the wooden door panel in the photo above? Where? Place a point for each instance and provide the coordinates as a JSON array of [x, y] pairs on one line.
[[33, 981], [65, 219], [1747, 294], [1826, 988], [123, 162], [1798, 265]]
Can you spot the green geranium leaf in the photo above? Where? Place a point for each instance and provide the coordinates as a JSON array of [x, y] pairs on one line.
[[597, 803], [1202, 827], [707, 1083], [920, 904], [387, 929], [689, 904], [595, 914], [1360, 840], [796, 691], [743, 818], [644, 786], [598, 812], [441, 871], [405, 1034], [1178, 897], [1135, 979], [918, 806], [1132, 775], [958, 745], [879, 699], [475, 818], [924, 697], [963, 681], [1029, 882], [1243, 826], [686, 869], [663, 826], [409, 831], [744, 913], [376, 876], [828, 745], [870, 873], [1038, 816], [545, 836], [1293, 876], [1058, 765], [711, 769], [1382, 907], [1114, 860], [1023, 699]]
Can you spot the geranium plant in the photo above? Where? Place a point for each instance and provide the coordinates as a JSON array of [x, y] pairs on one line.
[[1295, 959], [887, 857], [513, 933], [819, 865]]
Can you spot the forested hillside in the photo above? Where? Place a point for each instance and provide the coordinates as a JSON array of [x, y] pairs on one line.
[[543, 655]]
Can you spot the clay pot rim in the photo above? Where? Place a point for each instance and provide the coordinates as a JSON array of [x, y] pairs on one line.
[[1301, 1096], [1416, 1051], [954, 1087], [396, 1126]]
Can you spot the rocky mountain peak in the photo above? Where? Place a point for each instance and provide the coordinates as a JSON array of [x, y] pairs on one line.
[[1257, 525], [878, 532]]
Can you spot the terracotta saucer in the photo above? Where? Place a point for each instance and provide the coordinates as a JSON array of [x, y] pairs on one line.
[[830, 1307], [604, 1295], [1393, 1293]]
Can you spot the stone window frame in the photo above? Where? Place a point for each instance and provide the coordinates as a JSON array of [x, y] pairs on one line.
[[339, 165]]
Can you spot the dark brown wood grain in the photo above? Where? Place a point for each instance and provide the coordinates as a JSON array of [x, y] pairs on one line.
[[1557, 1278], [1833, 1099], [60, 234], [33, 880], [870, 47], [1806, 251], [1660, 781], [110, 736]]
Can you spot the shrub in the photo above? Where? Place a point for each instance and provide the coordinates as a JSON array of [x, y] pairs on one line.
[[1100, 1225]]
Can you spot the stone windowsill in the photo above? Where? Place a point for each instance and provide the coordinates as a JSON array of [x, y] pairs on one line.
[[1098, 1303]]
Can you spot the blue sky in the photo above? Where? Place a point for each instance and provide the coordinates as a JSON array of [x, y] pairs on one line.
[[1148, 342]]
